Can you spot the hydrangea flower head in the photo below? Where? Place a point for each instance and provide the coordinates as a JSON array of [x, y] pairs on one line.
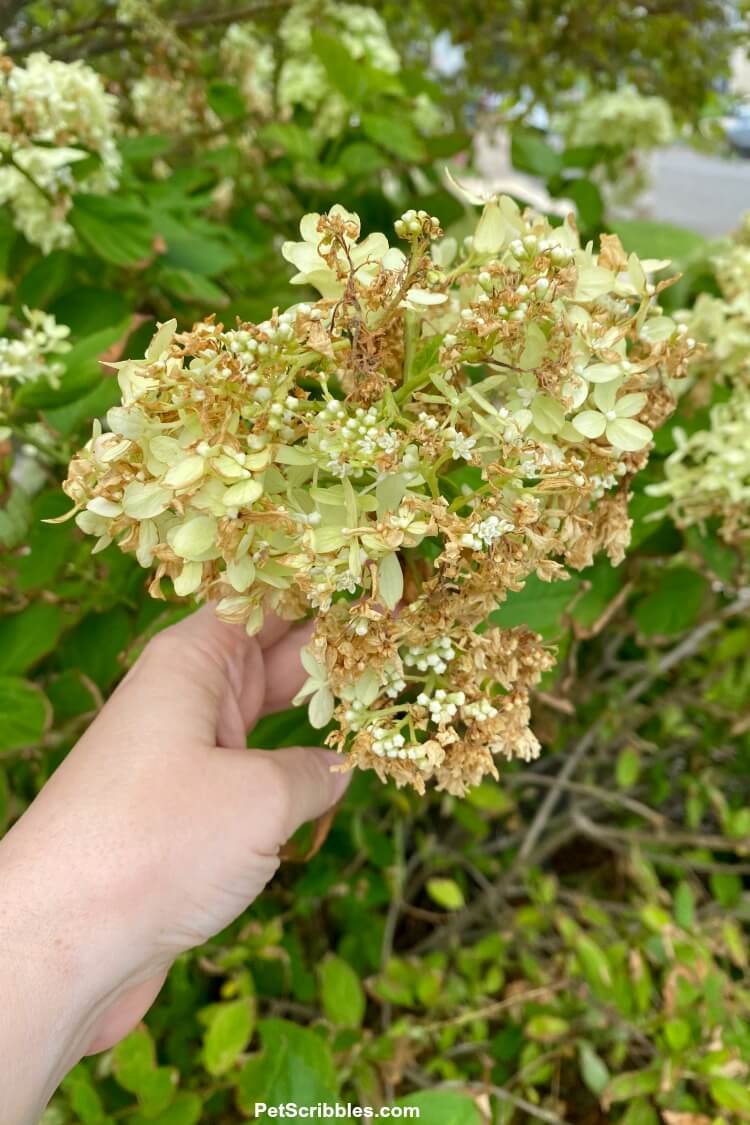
[[393, 459]]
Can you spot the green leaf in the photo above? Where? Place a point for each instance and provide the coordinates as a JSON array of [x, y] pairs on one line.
[[641, 1112], [632, 1084], [678, 1034], [24, 713], [27, 636], [4, 800], [14, 518], [546, 1029], [94, 646], [134, 1059], [226, 100], [355, 79], [186, 1109], [195, 245], [84, 1099], [628, 768], [657, 240], [87, 311], [396, 135], [531, 152], [115, 230], [444, 1107], [134, 1067], [588, 200], [594, 1070], [674, 605], [731, 1094], [189, 286], [360, 160], [341, 992], [684, 905], [227, 1036], [296, 1066], [283, 728], [539, 605], [46, 278], [594, 965], [446, 893]]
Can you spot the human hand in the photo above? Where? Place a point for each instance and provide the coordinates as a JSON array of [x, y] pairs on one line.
[[155, 833]]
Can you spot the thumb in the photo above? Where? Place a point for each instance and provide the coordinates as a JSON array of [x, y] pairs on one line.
[[308, 785]]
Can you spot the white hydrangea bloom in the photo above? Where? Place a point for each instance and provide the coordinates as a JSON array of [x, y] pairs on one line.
[[622, 117], [252, 64], [52, 115], [302, 78], [26, 358]]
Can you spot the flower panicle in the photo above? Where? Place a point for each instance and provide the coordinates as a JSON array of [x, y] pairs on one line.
[[395, 458]]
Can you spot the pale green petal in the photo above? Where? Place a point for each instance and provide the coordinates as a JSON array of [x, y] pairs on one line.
[[308, 227], [390, 580], [418, 296], [548, 414], [393, 259], [628, 435], [320, 708], [193, 539], [312, 666], [161, 340], [302, 255], [605, 395], [185, 472], [374, 247], [338, 211], [602, 372], [492, 230], [593, 281], [241, 574], [243, 493], [630, 405], [144, 501], [100, 506], [590, 423], [189, 579], [166, 449]]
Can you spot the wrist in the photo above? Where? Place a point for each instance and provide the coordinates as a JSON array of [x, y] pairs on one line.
[[50, 988]]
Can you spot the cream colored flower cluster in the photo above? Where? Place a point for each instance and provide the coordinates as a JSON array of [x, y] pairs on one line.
[[623, 117], [302, 79], [250, 61], [53, 115], [394, 458], [33, 353], [708, 474]]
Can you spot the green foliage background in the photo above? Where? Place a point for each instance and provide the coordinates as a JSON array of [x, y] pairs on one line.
[[567, 945]]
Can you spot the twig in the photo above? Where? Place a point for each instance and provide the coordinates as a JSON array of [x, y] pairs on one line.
[[677, 839], [118, 32], [494, 1009], [547, 806], [501, 1094], [528, 778]]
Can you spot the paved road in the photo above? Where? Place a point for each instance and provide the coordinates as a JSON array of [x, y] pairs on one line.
[[705, 193], [708, 194]]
